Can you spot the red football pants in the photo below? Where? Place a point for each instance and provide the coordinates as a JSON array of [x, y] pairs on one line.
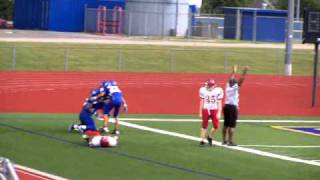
[[206, 115]]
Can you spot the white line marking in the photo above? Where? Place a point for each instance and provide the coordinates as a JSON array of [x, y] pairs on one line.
[[315, 160], [241, 121], [37, 173], [281, 146], [252, 151]]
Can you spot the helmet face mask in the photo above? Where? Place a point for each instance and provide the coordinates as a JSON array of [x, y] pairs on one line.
[[113, 83], [108, 83], [105, 84]]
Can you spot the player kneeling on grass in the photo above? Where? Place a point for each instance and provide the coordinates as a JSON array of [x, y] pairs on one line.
[[90, 106], [111, 89], [210, 107], [95, 139]]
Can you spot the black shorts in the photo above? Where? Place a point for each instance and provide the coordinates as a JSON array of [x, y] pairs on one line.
[[230, 113]]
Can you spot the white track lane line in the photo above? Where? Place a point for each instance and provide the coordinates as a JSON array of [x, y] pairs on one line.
[[281, 146], [244, 149], [241, 121]]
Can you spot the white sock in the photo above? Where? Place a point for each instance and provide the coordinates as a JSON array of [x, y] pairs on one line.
[[82, 127]]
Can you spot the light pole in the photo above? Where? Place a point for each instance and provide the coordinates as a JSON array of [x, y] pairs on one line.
[[288, 63]]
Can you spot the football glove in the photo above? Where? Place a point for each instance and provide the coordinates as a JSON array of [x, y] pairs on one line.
[[125, 108]]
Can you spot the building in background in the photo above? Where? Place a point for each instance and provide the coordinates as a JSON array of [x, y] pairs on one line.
[[152, 18], [255, 24], [208, 26], [56, 15], [157, 17]]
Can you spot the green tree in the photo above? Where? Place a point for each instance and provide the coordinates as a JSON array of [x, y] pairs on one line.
[[6, 9], [214, 6], [311, 4]]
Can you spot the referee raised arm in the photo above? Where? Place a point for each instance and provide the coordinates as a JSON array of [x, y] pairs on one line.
[[230, 109]]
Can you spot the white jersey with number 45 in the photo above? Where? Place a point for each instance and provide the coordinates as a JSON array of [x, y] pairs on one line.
[[211, 97]]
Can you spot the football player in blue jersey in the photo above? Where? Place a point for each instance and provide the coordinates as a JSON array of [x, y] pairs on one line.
[[90, 106], [111, 89]]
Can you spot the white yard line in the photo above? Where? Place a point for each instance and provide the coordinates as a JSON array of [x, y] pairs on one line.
[[280, 146], [37, 173], [198, 120], [244, 149]]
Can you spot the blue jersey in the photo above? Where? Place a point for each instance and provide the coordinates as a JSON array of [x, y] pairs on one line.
[[110, 89], [93, 102], [114, 92]]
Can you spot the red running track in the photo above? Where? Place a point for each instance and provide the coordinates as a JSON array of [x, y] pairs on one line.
[[152, 93], [25, 173]]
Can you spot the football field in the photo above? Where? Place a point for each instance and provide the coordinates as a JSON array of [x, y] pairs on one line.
[[277, 134], [164, 147]]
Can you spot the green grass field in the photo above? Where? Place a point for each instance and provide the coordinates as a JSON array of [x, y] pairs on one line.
[[146, 58], [41, 141]]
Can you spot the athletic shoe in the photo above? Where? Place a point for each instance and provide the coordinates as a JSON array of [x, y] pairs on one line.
[[85, 137], [71, 128], [104, 130], [209, 141], [201, 143], [116, 132], [224, 142], [232, 144]]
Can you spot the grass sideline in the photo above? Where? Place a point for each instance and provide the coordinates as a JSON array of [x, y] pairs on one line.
[[41, 141], [148, 58]]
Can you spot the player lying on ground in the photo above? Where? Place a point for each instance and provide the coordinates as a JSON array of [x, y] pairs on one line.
[[95, 139], [111, 89]]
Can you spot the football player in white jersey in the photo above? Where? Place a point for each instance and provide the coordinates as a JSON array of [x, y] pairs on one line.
[[95, 139], [210, 108], [230, 109], [103, 141]]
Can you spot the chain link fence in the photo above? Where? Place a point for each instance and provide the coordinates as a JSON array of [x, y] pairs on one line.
[[163, 23], [214, 60]]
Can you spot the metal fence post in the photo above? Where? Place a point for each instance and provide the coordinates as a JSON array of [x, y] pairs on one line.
[[130, 21], [66, 60], [145, 24], [209, 27], [238, 25], [189, 31], [225, 62], [162, 22], [14, 58], [279, 61], [254, 28], [173, 60], [120, 60], [85, 17]]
